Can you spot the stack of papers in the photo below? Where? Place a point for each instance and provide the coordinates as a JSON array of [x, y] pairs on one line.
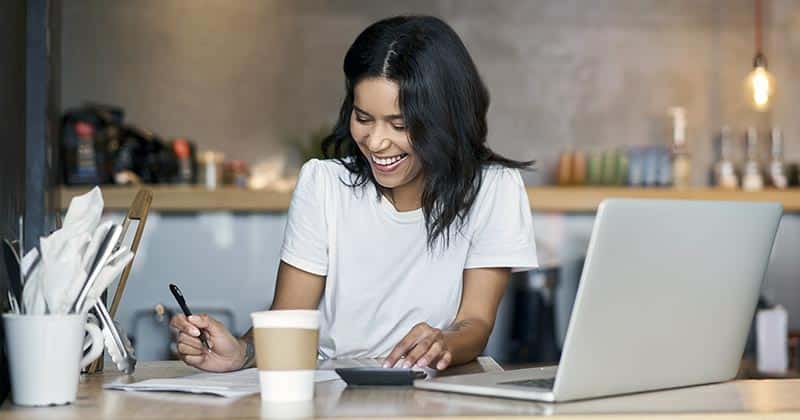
[[234, 384], [245, 382]]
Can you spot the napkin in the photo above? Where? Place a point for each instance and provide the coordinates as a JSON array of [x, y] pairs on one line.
[[54, 283]]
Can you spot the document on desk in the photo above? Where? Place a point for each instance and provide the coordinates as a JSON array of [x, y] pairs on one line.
[[233, 384]]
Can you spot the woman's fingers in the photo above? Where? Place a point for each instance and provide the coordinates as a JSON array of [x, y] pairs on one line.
[[208, 323], [417, 352], [182, 324], [188, 350], [403, 347], [189, 340], [432, 356], [444, 361], [193, 360], [423, 346]]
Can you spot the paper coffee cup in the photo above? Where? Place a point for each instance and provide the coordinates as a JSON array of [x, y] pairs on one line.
[[286, 343]]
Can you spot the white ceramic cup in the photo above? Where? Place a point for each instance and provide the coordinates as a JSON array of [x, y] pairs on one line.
[[44, 356], [286, 343]]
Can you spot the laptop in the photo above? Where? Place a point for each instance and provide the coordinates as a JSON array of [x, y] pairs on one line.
[[665, 300]]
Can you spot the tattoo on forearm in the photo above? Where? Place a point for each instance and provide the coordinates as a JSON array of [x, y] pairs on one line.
[[459, 326], [250, 351]]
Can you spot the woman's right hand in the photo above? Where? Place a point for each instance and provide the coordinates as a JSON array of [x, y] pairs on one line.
[[225, 352]]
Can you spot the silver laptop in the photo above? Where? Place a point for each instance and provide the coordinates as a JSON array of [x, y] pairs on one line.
[[666, 298]]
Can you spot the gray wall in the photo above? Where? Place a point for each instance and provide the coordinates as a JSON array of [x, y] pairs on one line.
[[241, 76], [226, 264]]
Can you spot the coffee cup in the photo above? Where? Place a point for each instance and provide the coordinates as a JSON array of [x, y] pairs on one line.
[[286, 343]]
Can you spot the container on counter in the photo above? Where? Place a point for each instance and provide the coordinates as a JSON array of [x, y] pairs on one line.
[[752, 179], [187, 165], [595, 168], [211, 169], [681, 164], [571, 169], [776, 172], [724, 171], [651, 162], [236, 173], [793, 174], [579, 167], [636, 166], [608, 173], [564, 169]]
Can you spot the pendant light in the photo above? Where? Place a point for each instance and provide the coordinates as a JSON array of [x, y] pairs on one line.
[[760, 82]]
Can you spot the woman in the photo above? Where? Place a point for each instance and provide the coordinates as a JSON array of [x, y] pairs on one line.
[[406, 238]]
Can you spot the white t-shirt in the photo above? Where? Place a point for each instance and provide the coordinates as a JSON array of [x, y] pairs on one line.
[[381, 278]]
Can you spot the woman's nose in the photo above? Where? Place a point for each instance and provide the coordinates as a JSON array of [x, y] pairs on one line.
[[377, 140]]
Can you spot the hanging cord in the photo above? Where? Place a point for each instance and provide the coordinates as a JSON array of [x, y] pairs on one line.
[[758, 26]]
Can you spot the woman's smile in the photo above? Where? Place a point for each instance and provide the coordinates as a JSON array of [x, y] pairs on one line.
[[388, 164]]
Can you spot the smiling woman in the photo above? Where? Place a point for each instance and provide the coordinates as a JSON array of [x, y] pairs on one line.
[[405, 237], [378, 129], [421, 80]]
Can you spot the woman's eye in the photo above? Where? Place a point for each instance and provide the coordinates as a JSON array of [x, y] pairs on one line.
[[399, 127], [361, 119]]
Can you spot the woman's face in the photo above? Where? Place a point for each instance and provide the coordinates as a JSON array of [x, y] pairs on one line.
[[377, 126]]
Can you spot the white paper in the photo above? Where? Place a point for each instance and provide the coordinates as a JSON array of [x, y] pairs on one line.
[[771, 340], [233, 384]]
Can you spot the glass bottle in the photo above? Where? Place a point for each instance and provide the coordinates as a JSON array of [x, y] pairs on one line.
[[752, 179], [681, 164], [776, 171], [724, 169]]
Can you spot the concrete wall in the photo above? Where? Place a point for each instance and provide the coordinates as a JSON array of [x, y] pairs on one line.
[[242, 76]]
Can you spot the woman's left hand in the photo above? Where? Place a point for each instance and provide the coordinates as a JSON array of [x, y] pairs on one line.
[[423, 346]]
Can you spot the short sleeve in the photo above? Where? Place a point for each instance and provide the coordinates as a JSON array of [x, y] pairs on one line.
[[305, 243], [502, 234]]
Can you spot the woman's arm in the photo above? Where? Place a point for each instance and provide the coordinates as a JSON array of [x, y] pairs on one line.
[[466, 338], [297, 289], [294, 289]]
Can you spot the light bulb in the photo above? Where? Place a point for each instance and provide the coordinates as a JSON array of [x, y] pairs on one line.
[[760, 83], [761, 87]]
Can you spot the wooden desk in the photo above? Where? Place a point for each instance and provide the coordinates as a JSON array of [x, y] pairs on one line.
[[757, 399]]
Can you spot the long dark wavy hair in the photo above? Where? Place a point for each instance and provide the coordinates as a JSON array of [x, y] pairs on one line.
[[443, 102]]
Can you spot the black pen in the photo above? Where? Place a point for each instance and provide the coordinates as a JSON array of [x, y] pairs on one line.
[[179, 297]]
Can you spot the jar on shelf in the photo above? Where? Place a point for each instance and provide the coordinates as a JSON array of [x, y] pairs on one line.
[[236, 173], [211, 170]]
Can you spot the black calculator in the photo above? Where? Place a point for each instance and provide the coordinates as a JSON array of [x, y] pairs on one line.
[[373, 376]]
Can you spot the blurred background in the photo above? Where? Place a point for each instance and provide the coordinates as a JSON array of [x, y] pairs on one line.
[[218, 103], [243, 77]]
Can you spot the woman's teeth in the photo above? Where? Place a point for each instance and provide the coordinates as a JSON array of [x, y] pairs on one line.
[[389, 160]]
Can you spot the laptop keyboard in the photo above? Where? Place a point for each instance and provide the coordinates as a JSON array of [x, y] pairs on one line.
[[545, 383]]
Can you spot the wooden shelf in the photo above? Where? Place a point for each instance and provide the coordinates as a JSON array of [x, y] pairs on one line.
[[543, 199], [587, 199], [188, 198]]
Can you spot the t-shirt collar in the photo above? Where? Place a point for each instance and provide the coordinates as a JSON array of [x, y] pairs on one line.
[[411, 216]]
